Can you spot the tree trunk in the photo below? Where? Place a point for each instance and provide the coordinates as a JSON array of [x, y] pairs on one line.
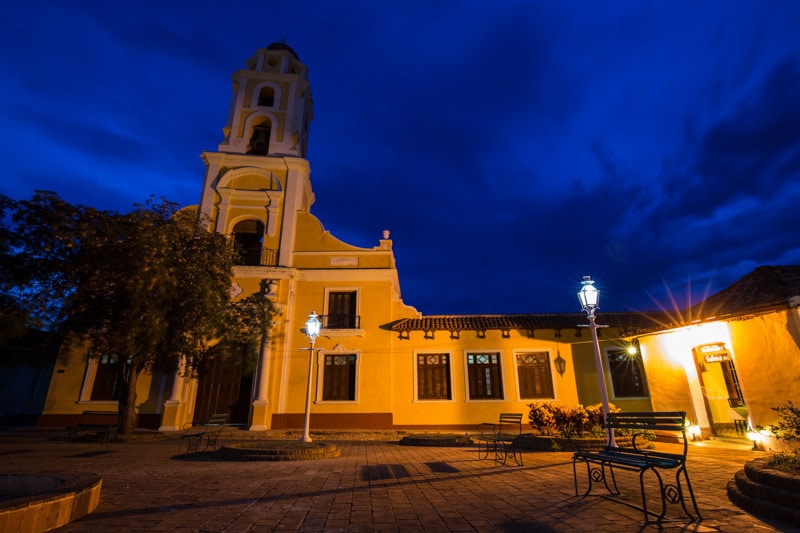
[[127, 378]]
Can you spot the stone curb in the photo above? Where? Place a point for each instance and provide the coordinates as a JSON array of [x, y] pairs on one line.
[[76, 494], [767, 492]]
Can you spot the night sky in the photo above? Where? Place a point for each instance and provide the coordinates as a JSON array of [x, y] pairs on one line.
[[511, 147]]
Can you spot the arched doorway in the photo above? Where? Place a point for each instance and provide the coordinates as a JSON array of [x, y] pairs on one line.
[[721, 389], [224, 386], [248, 239]]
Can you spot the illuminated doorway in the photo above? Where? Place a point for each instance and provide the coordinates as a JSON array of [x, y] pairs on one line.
[[721, 389]]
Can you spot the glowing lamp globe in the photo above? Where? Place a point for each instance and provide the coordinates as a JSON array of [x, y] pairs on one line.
[[589, 296], [312, 326]]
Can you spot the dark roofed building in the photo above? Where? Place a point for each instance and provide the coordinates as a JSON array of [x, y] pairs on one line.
[[765, 288]]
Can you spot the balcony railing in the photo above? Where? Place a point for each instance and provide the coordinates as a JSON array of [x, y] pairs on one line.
[[736, 402], [256, 257], [340, 321]]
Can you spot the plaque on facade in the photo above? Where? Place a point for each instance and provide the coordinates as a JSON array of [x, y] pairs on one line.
[[717, 358], [715, 352]]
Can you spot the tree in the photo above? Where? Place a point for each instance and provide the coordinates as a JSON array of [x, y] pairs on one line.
[[149, 288], [12, 318]]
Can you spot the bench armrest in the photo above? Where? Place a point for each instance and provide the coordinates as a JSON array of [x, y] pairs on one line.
[[641, 434], [487, 427]]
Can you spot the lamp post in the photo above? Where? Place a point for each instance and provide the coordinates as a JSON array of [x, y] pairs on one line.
[[312, 331], [589, 297]]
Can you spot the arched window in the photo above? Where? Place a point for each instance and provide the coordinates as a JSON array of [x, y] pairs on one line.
[[259, 141], [248, 236], [266, 97]]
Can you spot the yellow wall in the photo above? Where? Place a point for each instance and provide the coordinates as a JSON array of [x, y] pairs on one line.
[[667, 363], [66, 397], [765, 354], [587, 382], [460, 411], [767, 358]]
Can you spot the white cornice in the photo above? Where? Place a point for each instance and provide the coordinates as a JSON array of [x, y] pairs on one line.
[[263, 272], [273, 163], [234, 195], [358, 252], [350, 274]]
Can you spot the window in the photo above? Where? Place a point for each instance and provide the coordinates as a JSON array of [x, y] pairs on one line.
[[259, 141], [627, 374], [483, 375], [105, 380], [339, 378], [433, 376], [535, 378], [248, 237], [266, 97], [342, 310]]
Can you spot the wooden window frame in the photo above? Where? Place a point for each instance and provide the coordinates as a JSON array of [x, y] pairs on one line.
[[104, 379], [332, 377], [433, 379], [345, 320], [623, 369], [484, 378], [534, 375]]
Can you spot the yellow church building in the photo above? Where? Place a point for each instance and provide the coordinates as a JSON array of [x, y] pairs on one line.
[[379, 364]]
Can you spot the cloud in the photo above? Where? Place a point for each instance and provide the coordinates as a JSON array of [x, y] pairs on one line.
[[510, 148]]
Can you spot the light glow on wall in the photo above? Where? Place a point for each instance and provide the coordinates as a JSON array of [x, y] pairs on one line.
[[678, 344]]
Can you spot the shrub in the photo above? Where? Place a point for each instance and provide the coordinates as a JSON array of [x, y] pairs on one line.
[[541, 417], [788, 430], [567, 422], [786, 462], [564, 423], [595, 417]]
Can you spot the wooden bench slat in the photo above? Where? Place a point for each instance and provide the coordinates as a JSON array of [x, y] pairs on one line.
[[208, 436], [505, 437], [103, 423]]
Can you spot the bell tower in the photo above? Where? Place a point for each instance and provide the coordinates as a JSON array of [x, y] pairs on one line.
[[259, 178], [271, 105]]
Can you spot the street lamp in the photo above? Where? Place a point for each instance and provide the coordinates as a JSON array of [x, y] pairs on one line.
[[312, 331], [589, 297]]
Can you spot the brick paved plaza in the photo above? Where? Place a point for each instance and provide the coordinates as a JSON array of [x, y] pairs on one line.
[[372, 486]]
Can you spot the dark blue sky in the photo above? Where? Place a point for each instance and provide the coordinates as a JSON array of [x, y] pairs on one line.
[[510, 147]]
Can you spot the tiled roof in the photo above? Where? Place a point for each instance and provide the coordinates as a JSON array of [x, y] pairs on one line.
[[626, 322], [764, 288]]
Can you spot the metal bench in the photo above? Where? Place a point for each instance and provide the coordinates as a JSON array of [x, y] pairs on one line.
[[600, 464], [503, 438], [101, 424], [201, 437]]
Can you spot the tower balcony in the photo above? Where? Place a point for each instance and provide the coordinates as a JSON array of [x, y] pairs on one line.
[[256, 257], [340, 321]]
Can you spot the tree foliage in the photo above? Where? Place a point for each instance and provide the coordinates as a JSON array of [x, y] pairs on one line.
[[12, 317], [150, 287]]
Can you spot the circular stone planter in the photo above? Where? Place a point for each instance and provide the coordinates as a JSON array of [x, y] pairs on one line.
[[37, 502], [277, 450], [766, 491], [435, 439]]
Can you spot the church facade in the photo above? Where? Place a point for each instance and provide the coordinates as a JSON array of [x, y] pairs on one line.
[[378, 363]]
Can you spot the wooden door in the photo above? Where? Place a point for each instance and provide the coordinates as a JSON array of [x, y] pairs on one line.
[[223, 389]]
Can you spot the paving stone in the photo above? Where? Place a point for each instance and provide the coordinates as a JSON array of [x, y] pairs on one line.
[[371, 486]]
